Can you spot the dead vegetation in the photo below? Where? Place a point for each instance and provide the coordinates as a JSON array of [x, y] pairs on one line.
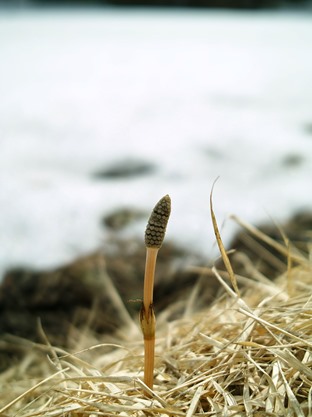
[[246, 354]]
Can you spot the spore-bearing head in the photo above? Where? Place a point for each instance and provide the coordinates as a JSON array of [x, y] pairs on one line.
[[157, 223]]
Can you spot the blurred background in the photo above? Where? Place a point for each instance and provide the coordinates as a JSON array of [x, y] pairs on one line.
[[107, 108]]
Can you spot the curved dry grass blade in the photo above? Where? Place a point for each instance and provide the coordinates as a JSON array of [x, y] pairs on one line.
[[224, 255]]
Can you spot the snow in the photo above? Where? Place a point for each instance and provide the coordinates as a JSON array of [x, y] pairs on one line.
[[197, 94]]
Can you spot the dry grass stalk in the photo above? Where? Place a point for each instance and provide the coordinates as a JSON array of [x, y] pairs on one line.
[[224, 255]]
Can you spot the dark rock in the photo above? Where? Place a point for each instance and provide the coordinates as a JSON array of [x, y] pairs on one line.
[[60, 299], [292, 161], [127, 168], [308, 128], [119, 219]]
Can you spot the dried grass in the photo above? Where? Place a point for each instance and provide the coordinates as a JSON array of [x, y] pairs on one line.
[[247, 355]]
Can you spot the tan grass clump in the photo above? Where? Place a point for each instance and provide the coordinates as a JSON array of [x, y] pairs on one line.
[[247, 355]]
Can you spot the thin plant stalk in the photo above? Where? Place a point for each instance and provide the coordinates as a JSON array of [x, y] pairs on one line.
[[150, 266], [154, 236]]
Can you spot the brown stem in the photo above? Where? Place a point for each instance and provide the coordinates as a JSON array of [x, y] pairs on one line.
[[149, 352], [147, 317], [150, 264]]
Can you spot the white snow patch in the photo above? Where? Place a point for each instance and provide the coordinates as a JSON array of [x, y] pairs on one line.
[[198, 94]]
